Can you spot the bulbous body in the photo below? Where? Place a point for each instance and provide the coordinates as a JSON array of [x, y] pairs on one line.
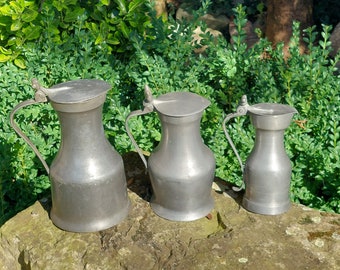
[[181, 167], [181, 170]]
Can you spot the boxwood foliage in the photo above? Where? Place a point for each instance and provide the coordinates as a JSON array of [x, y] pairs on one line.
[[164, 56]]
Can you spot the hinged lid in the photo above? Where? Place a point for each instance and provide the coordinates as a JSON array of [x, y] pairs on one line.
[[77, 91], [178, 104], [271, 116], [271, 109]]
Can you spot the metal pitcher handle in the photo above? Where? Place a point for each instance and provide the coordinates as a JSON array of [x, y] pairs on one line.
[[240, 111], [39, 97], [148, 107]]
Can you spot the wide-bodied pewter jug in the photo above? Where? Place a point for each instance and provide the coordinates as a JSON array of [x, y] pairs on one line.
[[181, 167], [88, 183], [267, 170]]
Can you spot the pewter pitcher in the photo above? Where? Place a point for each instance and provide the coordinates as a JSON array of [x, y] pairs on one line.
[[181, 167], [88, 183], [267, 171]]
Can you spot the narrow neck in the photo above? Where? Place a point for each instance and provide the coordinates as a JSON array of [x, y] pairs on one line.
[[272, 140], [179, 133], [81, 129]]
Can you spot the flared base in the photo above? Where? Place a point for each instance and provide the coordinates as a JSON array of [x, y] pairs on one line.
[[182, 215], [265, 209], [92, 225]]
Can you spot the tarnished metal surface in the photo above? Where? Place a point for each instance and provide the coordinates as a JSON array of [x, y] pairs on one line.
[[87, 176], [267, 171], [181, 168]]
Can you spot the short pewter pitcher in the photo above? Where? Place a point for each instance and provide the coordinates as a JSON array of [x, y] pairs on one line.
[[181, 167], [88, 183], [267, 171]]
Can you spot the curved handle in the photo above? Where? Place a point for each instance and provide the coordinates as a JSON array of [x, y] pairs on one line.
[[241, 110], [148, 107], [39, 97]]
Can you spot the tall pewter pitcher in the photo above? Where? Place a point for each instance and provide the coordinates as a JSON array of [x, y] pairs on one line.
[[87, 176], [267, 171], [181, 167]]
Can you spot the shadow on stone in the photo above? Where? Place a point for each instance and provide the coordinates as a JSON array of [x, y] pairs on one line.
[[46, 203], [137, 178], [24, 261], [221, 186]]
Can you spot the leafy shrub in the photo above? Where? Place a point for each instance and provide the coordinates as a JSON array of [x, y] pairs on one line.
[[307, 82], [164, 57], [22, 176], [107, 23], [227, 71]]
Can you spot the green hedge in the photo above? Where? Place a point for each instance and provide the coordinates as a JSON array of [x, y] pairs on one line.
[[163, 56]]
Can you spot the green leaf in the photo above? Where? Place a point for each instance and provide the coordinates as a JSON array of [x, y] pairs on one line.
[[3, 50], [135, 4], [53, 30], [121, 6], [58, 5], [105, 2], [5, 20], [99, 40], [72, 15], [17, 7], [324, 35], [13, 41], [16, 25], [4, 58], [6, 10], [114, 40], [29, 15], [32, 32], [19, 62], [125, 30]]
